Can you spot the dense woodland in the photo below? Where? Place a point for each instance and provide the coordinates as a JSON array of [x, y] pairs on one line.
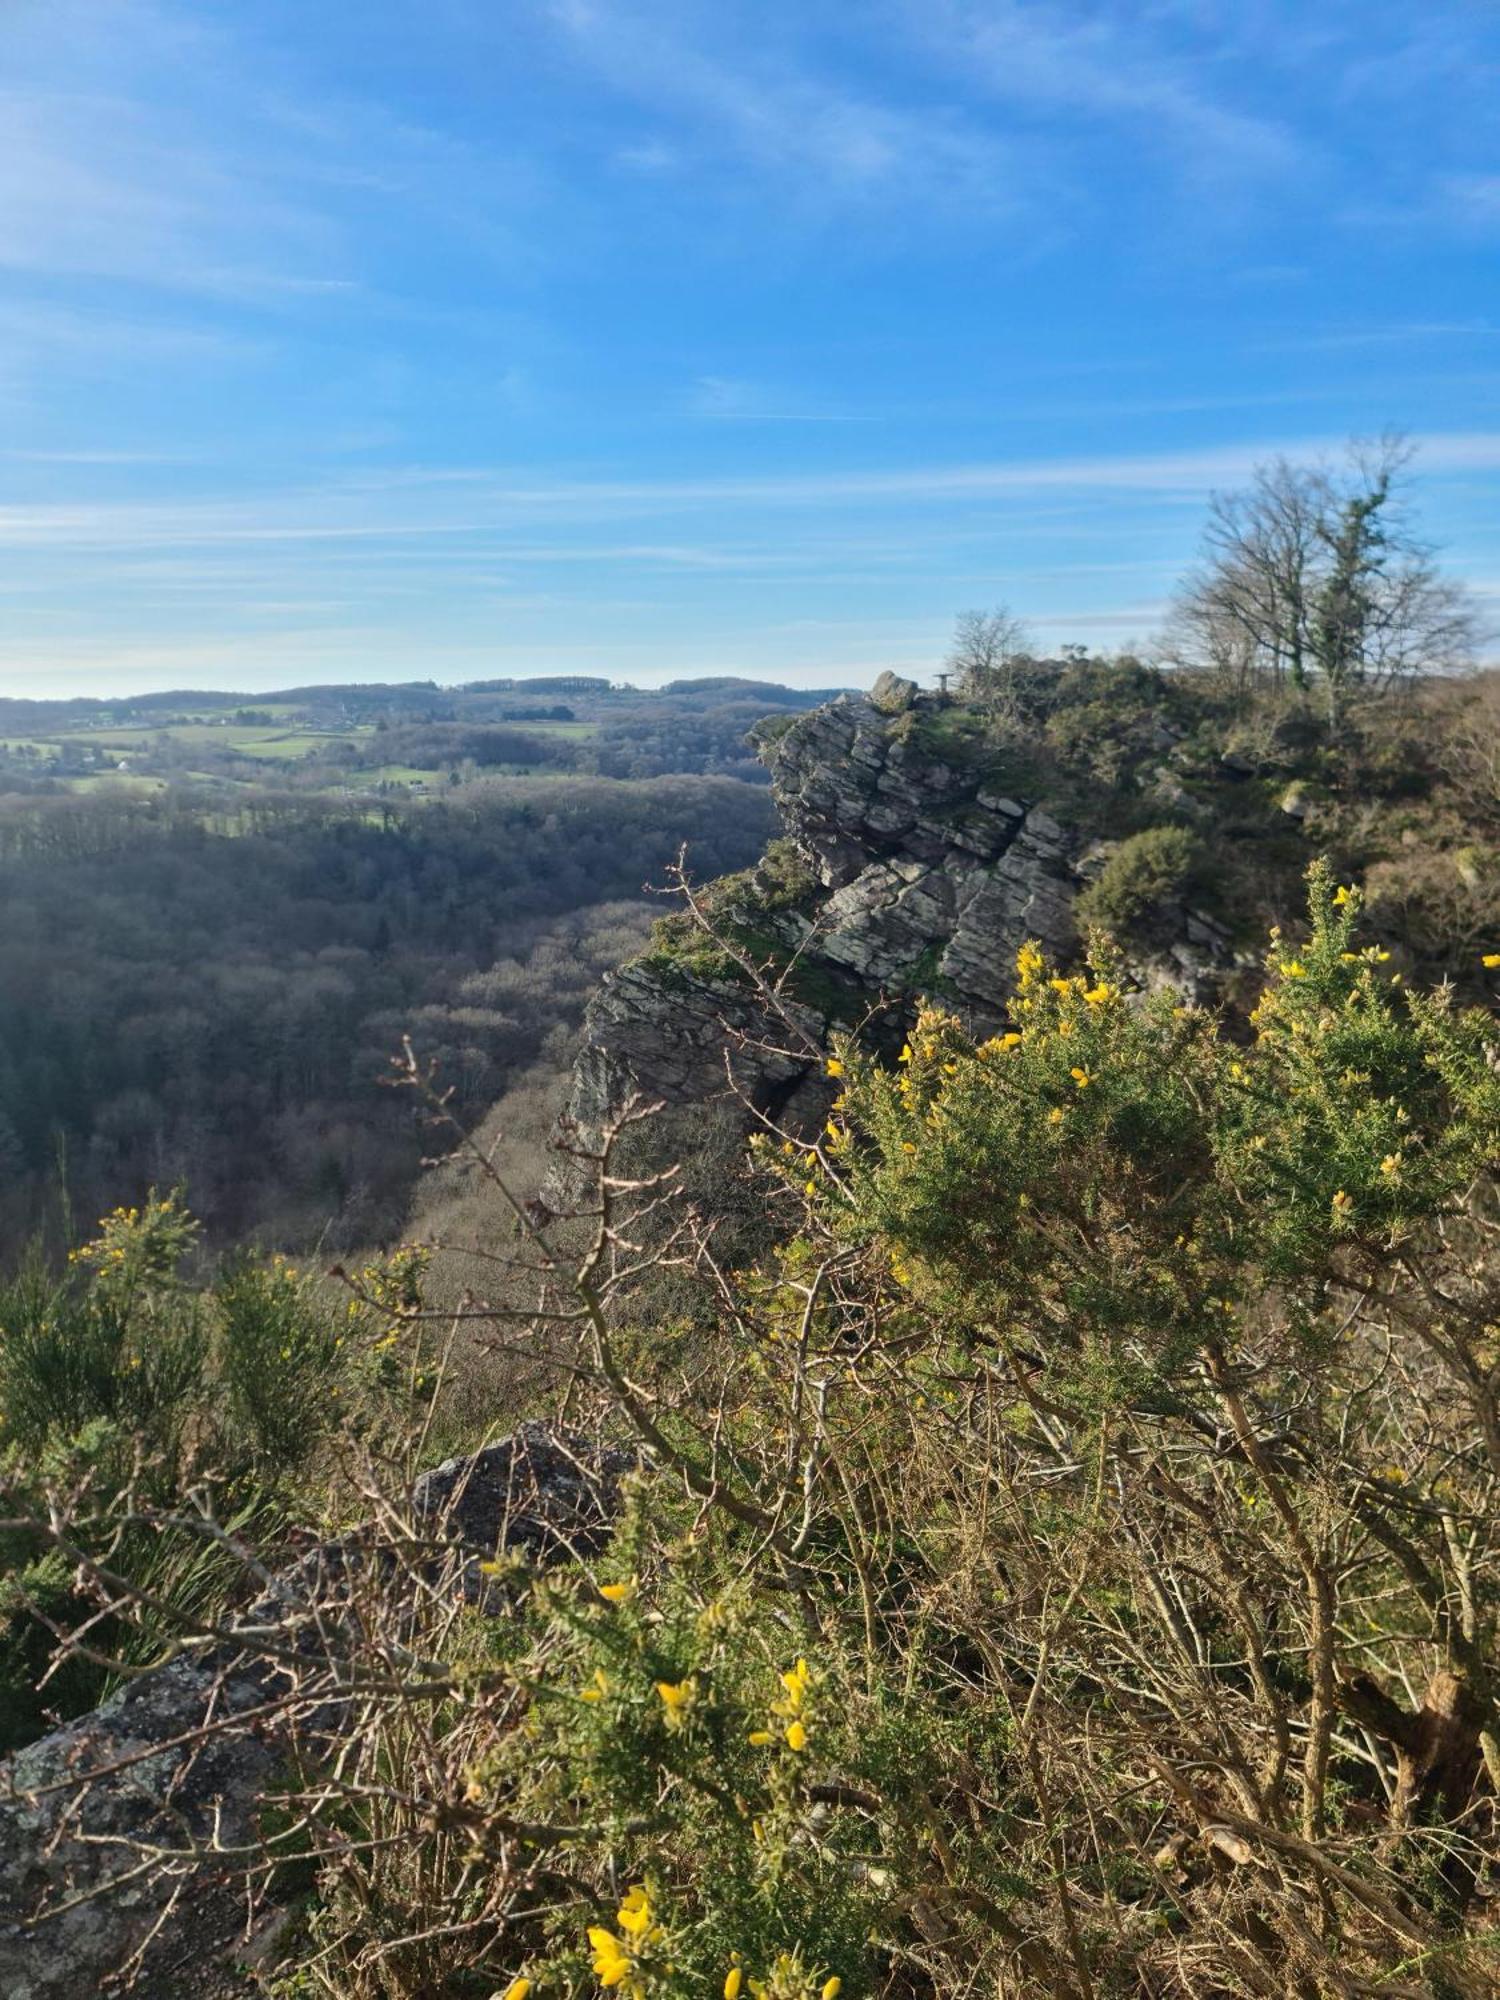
[[191, 996]]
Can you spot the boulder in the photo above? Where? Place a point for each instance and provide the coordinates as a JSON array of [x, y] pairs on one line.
[[893, 694]]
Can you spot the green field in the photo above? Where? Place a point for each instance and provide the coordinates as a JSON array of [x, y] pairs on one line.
[[287, 737], [575, 731], [392, 774], [251, 739], [115, 781]]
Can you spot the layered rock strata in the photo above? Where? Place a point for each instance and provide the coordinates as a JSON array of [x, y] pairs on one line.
[[930, 873]]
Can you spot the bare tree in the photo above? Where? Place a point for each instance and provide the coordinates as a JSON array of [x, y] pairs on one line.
[[1315, 576], [987, 645]]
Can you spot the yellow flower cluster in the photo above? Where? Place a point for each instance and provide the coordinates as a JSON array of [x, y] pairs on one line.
[[797, 1680], [617, 1954]]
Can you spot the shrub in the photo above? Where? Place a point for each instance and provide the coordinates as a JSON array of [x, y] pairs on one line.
[[1144, 872], [127, 1395], [1065, 1564]]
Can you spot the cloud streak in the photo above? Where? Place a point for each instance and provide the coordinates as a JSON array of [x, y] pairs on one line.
[[355, 512], [1091, 63]]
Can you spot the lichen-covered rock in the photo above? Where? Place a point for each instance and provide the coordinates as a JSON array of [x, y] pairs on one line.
[[668, 1036], [182, 1757]]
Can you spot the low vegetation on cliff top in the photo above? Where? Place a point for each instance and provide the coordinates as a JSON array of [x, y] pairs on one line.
[[1065, 1565]]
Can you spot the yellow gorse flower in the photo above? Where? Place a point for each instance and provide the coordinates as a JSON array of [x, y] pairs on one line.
[[634, 1914], [618, 1593], [677, 1698], [834, 1066], [1491, 960], [517, 1989], [615, 1955], [611, 1960], [734, 1979], [796, 1680]]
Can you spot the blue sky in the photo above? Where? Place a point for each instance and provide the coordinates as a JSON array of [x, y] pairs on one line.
[[652, 337]]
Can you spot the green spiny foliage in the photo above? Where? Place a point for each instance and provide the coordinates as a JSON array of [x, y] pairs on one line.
[[125, 1389], [1068, 1562]]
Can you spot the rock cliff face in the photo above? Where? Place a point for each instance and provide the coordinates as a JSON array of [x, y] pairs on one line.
[[926, 874]]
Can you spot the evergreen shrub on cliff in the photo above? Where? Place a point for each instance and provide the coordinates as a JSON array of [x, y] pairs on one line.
[[1072, 1570], [132, 1400], [1066, 1565], [1146, 871]]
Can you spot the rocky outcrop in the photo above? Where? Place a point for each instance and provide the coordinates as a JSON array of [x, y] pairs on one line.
[[930, 873], [182, 1757], [670, 1037]]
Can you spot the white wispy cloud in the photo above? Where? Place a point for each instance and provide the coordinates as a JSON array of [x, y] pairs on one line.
[[1471, 199], [1111, 64], [732, 399], [755, 98], [377, 508], [93, 187], [169, 148], [1377, 336]]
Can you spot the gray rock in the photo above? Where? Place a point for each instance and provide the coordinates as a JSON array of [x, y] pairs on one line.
[[78, 1807], [934, 872], [668, 1036], [893, 693]]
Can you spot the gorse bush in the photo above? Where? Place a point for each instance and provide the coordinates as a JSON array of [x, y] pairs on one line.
[[1067, 1564], [1144, 872], [1072, 1570], [128, 1389]]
